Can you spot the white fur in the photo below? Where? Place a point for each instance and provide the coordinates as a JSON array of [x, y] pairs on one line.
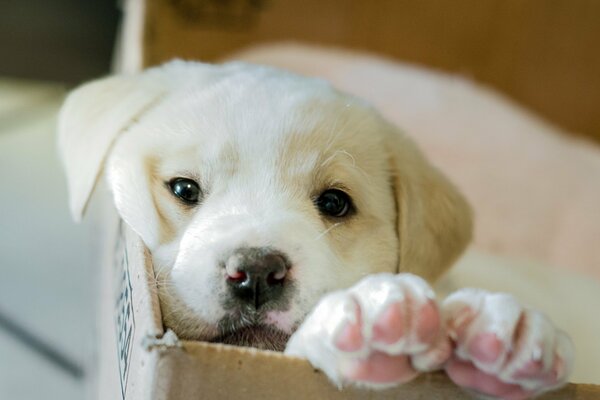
[[221, 126], [315, 338], [263, 144]]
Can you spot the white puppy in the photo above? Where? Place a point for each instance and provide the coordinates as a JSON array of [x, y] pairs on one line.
[[258, 192]]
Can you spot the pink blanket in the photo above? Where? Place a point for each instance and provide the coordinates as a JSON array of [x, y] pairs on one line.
[[535, 190]]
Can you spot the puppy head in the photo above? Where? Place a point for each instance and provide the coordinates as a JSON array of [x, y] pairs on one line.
[[256, 192]]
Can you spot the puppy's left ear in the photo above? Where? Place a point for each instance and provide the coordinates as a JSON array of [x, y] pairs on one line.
[[91, 118], [434, 219]]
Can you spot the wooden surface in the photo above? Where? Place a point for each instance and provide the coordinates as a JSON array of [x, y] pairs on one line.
[[543, 53]]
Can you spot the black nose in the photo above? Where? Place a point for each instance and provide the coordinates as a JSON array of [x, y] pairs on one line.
[[256, 275]]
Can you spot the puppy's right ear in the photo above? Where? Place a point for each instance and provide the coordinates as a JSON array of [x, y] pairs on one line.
[[91, 118]]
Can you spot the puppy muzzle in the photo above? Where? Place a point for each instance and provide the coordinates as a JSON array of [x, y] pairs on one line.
[[257, 276]]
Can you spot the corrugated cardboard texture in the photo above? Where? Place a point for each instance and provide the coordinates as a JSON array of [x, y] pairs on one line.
[[542, 53]]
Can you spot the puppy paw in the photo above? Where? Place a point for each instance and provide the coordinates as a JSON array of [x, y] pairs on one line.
[[502, 349], [381, 332]]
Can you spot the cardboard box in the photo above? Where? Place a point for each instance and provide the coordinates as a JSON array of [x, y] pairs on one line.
[[140, 361]]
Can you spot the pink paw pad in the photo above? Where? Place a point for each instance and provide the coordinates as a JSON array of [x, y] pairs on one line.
[[465, 374], [534, 370], [486, 348], [389, 327], [394, 323], [381, 368], [428, 323], [350, 338], [531, 370]]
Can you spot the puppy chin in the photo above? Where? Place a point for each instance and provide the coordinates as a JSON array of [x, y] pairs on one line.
[[249, 329], [259, 336]]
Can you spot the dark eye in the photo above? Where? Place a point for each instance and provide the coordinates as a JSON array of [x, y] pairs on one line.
[[185, 189], [334, 203]]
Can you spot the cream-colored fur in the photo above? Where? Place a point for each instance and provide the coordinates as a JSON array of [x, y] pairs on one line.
[[500, 155], [497, 152], [262, 144]]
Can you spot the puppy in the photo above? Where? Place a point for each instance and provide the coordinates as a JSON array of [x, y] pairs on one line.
[[282, 214]]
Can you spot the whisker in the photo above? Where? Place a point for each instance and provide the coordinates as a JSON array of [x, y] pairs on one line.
[[328, 159], [333, 133], [326, 231], [349, 155]]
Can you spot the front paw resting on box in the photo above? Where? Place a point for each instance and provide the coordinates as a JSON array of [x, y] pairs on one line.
[[503, 349], [381, 332], [387, 328]]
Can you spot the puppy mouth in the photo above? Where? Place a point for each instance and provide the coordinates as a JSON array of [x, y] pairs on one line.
[[248, 327], [260, 336]]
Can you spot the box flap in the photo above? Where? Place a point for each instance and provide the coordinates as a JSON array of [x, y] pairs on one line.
[[215, 371]]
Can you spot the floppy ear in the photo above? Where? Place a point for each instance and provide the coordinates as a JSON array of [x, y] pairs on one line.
[[434, 220], [91, 118]]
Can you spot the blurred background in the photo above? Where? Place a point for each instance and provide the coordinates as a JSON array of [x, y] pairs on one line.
[[503, 95], [61, 41], [46, 267]]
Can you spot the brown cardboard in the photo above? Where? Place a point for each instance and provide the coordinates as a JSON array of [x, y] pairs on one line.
[[147, 363], [541, 53]]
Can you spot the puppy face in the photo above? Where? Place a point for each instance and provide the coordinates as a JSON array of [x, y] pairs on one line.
[[257, 191]]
